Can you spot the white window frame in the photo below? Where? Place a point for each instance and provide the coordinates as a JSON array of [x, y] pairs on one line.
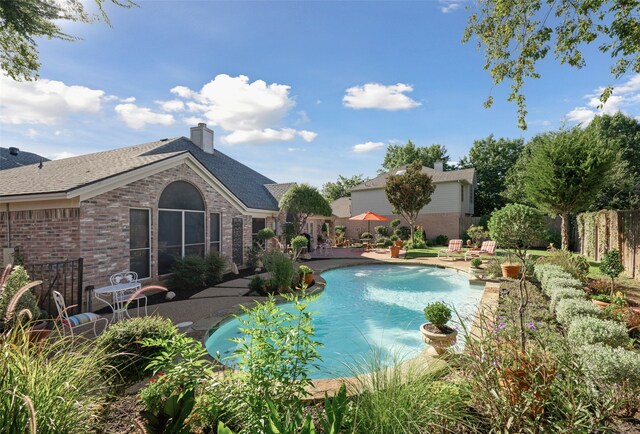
[[219, 232], [149, 238]]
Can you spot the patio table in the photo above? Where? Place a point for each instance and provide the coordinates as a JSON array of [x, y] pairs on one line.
[[119, 300]]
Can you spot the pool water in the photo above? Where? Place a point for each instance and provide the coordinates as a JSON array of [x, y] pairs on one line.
[[371, 309]]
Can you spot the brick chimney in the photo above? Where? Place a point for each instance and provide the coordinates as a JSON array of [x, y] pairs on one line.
[[438, 165], [203, 137]]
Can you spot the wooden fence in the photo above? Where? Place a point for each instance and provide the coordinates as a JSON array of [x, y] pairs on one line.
[[601, 231], [553, 226]]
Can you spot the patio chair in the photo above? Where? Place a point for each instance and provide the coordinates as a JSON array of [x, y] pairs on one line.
[[488, 248], [455, 246], [126, 296], [78, 320]]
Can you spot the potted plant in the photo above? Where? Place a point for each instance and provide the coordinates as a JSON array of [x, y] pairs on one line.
[[436, 332], [515, 228], [395, 250], [396, 240], [475, 266], [307, 273]]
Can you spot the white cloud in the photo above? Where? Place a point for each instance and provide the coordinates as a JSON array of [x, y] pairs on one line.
[[138, 117], [623, 97], [129, 100], [449, 6], [367, 147], [378, 96], [174, 105], [295, 149], [31, 133], [44, 101], [252, 112], [61, 155]]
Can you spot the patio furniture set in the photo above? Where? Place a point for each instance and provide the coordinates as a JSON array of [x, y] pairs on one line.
[[488, 248]]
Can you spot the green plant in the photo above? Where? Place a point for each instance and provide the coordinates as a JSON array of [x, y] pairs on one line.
[[553, 282], [124, 341], [58, 386], [395, 223], [476, 262], [281, 268], [601, 297], [611, 265], [402, 232], [25, 307], [325, 228], [394, 238], [572, 263], [253, 255], [301, 201], [493, 267], [188, 272], [589, 330], [477, 234], [438, 314], [288, 231], [366, 235], [297, 244], [215, 264], [171, 418], [257, 283], [441, 240], [264, 235], [305, 270], [387, 242], [542, 267], [515, 228], [569, 309], [382, 231], [340, 229], [561, 293]]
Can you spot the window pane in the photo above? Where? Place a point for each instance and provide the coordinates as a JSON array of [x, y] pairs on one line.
[[257, 224], [193, 227], [138, 228], [169, 229], [214, 247], [214, 224], [197, 250], [139, 262], [166, 257], [181, 195]]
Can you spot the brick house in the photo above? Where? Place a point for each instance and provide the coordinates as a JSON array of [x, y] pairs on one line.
[[451, 200], [136, 207]]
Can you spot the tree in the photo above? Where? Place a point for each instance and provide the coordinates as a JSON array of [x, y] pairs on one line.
[[409, 193], [565, 172], [22, 21], [303, 200], [399, 155], [492, 159], [516, 35], [335, 190]]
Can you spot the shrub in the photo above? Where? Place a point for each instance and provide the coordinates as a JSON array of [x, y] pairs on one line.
[[257, 283], [569, 309], [611, 265], [366, 235], [395, 223], [17, 279], [394, 238], [305, 270], [516, 227], [215, 264], [281, 268], [382, 231], [493, 267], [402, 232], [441, 240], [476, 262], [188, 272], [560, 282], [561, 293], [124, 340], [588, 330], [265, 234], [572, 263], [340, 229], [542, 268], [477, 234], [438, 314], [387, 243], [253, 255], [297, 244]]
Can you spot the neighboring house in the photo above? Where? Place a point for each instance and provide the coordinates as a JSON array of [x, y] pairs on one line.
[[137, 207], [14, 157], [451, 200]]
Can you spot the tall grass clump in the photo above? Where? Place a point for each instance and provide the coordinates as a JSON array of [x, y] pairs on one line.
[[55, 386]]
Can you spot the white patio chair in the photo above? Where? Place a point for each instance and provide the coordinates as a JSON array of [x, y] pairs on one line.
[[123, 297], [78, 320]]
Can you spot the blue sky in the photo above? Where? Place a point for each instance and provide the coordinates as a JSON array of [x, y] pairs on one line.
[[290, 88]]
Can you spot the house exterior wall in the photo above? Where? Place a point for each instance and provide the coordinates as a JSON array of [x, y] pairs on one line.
[[433, 224]]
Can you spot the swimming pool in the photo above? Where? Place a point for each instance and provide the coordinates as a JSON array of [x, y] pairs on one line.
[[371, 309]]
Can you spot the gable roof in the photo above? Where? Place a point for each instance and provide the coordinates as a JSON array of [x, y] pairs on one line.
[[464, 175], [8, 161], [278, 190], [341, 207], [69, 174]]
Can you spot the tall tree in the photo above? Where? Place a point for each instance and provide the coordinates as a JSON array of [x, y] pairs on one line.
[[303, 200], [492, 159], [340, 188], [22, 21], [516, 35], [399, 155], [409, 192], [566, 170]]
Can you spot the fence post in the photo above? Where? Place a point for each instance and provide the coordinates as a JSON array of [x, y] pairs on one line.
[[80, 272]]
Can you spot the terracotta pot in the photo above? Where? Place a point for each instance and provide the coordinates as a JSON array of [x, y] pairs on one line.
[[308, 279], [600, 304], [439, 341], [398, 243], [395, 251], [511, 270]]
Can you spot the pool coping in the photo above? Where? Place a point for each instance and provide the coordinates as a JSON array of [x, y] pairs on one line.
[[319, 388]]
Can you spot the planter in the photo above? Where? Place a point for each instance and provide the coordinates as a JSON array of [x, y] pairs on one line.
[[395, 251], [308, 279], [398, 243], [600, 304], [39, 331], [511, 270], [439, 341]]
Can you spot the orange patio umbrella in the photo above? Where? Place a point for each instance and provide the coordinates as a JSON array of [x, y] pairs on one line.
[[369, 216]]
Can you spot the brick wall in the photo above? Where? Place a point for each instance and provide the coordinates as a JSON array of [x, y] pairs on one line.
[[44, 235]]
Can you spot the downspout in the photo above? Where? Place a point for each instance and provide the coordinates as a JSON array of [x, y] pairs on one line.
[[8, 227]]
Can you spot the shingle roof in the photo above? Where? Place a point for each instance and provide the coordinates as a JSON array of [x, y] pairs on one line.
[[341, 208], [8, 161], [438, 176], [278, 190], [70, 173]]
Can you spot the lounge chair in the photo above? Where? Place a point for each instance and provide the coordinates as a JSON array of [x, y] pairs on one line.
[[78, 320], [455, 246], [488, 248]]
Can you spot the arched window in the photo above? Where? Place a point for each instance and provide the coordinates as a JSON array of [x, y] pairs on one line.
[[180, 224]]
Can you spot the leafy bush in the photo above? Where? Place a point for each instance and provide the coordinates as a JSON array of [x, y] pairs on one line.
[[561, 293], [189, 272], [570, 309], [573, 263], [611, 265], [516, 227], [402, 232], [382, 231], [265, 234], [65, 381], [477, 234], [395, 223], [215, 264], [253, 255], [387, 242], [124, 340], [441, 240], [589, 330], [305, 270], [493, 267], [281, 268], [476, 262], [394, 238], [340, 229], [366, 235], [257, 283], [541, 268], [437, 313], [553, 274], [17, 279], [560, 282]]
